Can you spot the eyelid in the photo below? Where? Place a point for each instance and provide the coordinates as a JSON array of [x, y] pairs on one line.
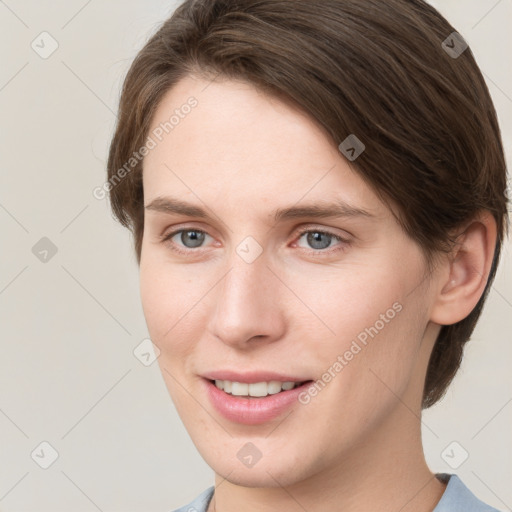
[[167, 236], [326, 230], [330, 251]]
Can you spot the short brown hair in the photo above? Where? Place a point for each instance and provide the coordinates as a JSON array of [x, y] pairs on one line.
[[376, 69]]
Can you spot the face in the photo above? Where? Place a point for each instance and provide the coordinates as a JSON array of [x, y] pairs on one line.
[[243, 280]]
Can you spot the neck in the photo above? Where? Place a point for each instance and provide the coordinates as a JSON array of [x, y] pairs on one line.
[[385, 471]]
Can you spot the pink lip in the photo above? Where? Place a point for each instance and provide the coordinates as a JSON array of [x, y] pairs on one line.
[[252, 411], [251, 377]]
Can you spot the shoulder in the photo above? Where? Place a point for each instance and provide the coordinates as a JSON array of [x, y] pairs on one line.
[[200, 504], [458, 498]]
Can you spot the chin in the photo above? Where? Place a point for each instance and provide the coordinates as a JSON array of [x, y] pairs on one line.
[[253, 477], [271, 471]]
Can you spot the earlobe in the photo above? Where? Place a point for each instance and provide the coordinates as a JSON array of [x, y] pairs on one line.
[[467, 272]]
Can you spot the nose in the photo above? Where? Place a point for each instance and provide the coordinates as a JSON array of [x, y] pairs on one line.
[[248, 308]]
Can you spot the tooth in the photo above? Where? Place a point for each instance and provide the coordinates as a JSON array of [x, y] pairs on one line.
[[240, 388], [258, 389], [273, 387]]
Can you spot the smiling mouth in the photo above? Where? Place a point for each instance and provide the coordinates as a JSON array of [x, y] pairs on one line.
[[256, 389]]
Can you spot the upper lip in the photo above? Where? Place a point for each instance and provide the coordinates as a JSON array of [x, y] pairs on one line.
[[251, 377]]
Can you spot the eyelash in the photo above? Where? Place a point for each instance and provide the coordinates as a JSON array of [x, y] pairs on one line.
[[166, 239]]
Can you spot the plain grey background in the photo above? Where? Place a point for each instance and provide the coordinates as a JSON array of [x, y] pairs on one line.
[[71, 321]]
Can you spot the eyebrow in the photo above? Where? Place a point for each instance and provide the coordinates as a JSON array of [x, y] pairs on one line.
[[337, 209]]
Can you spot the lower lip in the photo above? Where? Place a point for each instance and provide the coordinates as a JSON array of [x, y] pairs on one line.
[[252, 411]]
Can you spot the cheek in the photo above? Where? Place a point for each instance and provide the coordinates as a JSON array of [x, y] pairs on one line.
[[376, 317], [177, 301], [351, 302], [168, 293]]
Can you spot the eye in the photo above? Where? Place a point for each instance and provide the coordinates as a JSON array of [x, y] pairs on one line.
[[320, 240], [190, 238], [186, 240]]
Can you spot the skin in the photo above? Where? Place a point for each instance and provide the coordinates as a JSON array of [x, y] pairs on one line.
[[356, 446]]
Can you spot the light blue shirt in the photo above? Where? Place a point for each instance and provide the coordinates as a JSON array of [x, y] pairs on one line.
[[456, 498]]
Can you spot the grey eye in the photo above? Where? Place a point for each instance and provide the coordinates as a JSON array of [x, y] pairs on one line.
[[318, 240], [192, 238]]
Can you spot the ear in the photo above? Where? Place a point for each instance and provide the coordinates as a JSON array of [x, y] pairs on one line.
[[467, 271]]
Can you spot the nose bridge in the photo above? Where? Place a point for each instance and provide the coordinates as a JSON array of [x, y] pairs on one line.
[[246, 302], [245, 287]]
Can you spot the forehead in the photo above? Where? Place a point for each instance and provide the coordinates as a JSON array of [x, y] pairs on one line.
[[240, 143]]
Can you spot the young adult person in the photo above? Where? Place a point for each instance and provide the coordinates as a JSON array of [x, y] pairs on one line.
[[317, 193]]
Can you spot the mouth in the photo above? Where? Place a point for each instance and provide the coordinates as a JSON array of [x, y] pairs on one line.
[[255, 402], [255, 390]]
